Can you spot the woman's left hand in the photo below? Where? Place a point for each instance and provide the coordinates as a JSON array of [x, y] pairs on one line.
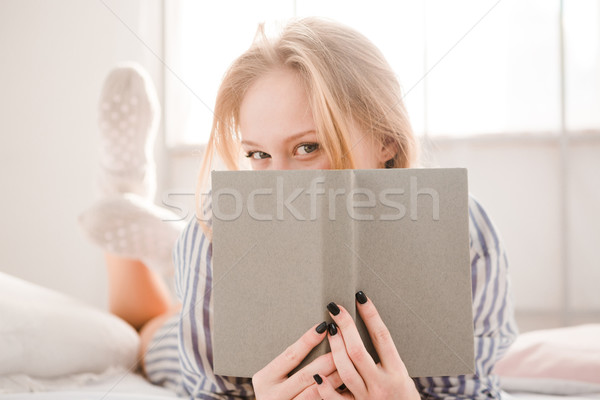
[[364, 378]]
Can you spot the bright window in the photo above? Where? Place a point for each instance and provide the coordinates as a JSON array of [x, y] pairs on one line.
[[467, 67]]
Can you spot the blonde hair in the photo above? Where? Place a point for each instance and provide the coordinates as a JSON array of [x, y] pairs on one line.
[[347, 79]]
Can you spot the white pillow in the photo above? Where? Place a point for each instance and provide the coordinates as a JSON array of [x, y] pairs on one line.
[[557, 387], [563, 361], [47, 334]]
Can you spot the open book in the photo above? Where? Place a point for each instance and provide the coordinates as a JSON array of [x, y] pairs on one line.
[[286, 243]]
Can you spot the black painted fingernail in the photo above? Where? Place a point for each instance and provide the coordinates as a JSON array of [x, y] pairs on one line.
[[332, 329], [321, 328], [342, 388], [361, 297], [333, 308], [318, 379]]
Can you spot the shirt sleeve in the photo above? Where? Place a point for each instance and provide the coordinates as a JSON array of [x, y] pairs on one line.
[[184, 248], [494, 325]]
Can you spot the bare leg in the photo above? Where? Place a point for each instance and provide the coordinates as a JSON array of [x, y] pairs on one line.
[[136, 293]]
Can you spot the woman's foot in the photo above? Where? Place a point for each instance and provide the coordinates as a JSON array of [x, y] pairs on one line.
[[129, 226], [128, 118]]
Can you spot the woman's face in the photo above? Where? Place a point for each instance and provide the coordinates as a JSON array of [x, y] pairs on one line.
[[278, 130]]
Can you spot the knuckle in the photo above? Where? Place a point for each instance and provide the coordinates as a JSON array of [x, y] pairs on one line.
[[381, 335], [405, 384], [329, 362], [356, 354], [307, 341], [326, 358], [324, 362], [348, 378], [305, 379], [387, 389], [291, 355]]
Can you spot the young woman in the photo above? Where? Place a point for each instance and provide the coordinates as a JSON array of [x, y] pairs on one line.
[[319, 96]]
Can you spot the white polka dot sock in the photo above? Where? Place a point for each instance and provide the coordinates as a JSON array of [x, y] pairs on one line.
[[129, 226], [128, 118]]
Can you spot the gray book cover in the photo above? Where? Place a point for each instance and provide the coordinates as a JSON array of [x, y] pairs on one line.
[[286, 243]]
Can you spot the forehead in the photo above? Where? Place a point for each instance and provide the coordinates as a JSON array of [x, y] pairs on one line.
[[275, 106]]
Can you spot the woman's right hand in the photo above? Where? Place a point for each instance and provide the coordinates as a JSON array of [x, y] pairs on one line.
[[272, 382]]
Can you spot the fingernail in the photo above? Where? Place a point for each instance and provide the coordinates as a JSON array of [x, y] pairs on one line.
[[361, 297], [332, 329], [318, 379], [342, 388], [333, 308], [321, 328]]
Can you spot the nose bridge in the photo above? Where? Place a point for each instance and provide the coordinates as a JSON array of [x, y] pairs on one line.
[[280, 163]]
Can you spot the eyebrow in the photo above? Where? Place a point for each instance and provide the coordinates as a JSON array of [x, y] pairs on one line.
[[290, 139]]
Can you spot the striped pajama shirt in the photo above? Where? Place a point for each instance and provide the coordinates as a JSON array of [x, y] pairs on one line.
[[180, 354]]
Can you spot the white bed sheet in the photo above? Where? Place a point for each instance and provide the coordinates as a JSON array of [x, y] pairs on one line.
[[119, 384], [82, 395], [86, 394], [114, 384]]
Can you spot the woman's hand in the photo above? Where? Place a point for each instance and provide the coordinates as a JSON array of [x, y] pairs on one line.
[[356, 368], [272, 382]]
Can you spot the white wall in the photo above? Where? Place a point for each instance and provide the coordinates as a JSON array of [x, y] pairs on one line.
[[552, 252], [55, 55]]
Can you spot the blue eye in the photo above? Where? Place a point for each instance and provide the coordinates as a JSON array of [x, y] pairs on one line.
[[257, 155], [308, 147]]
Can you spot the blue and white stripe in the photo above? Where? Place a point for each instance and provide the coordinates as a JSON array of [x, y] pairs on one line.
[[494, 325], [193, 276], [161, 361]]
